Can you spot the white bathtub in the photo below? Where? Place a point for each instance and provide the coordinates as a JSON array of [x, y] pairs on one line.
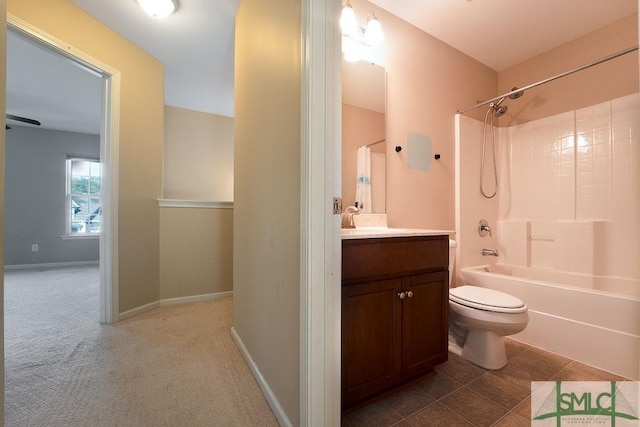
[[571, 315]]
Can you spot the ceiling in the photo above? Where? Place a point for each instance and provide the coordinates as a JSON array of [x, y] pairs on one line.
[[502, 33], [196, 45], [49, 88]]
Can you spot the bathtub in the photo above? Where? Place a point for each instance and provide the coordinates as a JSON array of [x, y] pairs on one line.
[[594, 320]]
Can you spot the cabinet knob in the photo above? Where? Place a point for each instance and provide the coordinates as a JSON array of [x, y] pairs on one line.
[[402, 295], [410, 294]]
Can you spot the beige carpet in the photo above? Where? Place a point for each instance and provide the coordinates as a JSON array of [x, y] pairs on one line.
[[173, 366]]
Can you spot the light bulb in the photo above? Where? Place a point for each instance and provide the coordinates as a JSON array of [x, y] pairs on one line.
[[158, 8], [373, 34], [348, 22], [352, 56]]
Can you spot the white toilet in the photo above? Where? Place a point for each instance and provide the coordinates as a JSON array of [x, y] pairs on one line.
[[480, 318]]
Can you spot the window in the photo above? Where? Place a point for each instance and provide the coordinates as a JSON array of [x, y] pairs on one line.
[[83, 196]]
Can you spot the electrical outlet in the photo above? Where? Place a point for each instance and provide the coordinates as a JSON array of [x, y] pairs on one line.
[[34, 247]]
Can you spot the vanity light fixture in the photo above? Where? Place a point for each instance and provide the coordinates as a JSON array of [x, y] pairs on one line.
[[348, 23], [357, 42], [373, 34], [158, 8]]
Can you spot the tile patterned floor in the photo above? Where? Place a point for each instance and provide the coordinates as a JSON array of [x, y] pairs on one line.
[[463, 394]]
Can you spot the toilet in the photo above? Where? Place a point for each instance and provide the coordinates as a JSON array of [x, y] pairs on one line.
[[480, 318]]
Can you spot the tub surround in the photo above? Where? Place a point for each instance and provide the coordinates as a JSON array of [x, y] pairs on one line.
[[568, 207], [569, 196]]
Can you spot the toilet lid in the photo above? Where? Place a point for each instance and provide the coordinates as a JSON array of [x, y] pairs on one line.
[[486, 299]]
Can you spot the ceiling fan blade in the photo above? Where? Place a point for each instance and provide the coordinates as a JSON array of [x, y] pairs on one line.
[[22, 119]]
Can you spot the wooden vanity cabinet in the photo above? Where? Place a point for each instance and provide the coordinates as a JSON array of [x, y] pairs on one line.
[[394, 313]]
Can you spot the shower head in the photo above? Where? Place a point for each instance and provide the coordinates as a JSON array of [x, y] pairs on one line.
[[498, 110], [497, 104], [516, 95]]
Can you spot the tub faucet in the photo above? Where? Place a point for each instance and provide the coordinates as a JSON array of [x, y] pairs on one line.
[[490, 252], [483, 228], [347, 216]]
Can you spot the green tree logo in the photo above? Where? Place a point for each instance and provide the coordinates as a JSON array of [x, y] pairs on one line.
[[584, 404]]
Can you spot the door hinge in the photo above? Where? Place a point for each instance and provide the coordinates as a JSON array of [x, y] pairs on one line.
[[337, 205]]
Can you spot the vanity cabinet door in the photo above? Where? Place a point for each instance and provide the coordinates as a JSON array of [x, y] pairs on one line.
[[425, 322], [371, 334]]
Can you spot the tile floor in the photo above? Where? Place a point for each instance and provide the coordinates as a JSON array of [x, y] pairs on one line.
[[463, 394]]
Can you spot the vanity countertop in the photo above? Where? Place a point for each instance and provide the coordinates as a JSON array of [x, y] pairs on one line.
[[378, 232]]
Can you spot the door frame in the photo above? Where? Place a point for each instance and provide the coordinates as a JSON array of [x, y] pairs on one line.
[[109, 132], [320, 250]]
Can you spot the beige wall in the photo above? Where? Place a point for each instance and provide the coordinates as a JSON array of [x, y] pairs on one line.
[[266, 223], [3, 104], [196, 251], [140, 140], [198, 155], [359, 127], [600, 83], [427, 82]]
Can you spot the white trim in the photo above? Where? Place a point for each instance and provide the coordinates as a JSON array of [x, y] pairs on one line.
[[50, 265], [174, 301], [269, 395], [320, 229], [84, 236], [69, 195], [138, 310], [177, 203], [109, 148], [109, 157], [195, 298]]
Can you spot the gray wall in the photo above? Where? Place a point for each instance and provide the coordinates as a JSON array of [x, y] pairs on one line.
[[35, 196]]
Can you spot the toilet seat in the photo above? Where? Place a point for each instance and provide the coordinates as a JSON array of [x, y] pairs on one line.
[[486, 299]]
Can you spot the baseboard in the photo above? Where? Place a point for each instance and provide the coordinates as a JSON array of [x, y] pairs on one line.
[[138, 310], [50, 265], [195, 298], [272, 400], [173, 301]]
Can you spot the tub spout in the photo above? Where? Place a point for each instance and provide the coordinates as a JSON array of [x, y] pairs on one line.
[[490, 252]]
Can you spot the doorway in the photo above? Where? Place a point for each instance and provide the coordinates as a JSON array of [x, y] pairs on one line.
[[108, 144], [101, 279]]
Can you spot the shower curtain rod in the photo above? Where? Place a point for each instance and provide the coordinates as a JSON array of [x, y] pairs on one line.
[[566, 73], [374, 143]]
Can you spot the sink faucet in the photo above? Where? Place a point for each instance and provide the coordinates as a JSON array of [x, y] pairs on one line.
[[490, 252], [347, 217]]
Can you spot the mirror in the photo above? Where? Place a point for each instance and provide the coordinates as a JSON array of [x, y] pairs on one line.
[[363, 124]]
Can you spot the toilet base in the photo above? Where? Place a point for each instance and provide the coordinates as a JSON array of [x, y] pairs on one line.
[[454, 348], [485, 349]]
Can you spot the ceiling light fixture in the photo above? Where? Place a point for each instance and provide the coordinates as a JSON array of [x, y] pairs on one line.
[[158, 8]]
